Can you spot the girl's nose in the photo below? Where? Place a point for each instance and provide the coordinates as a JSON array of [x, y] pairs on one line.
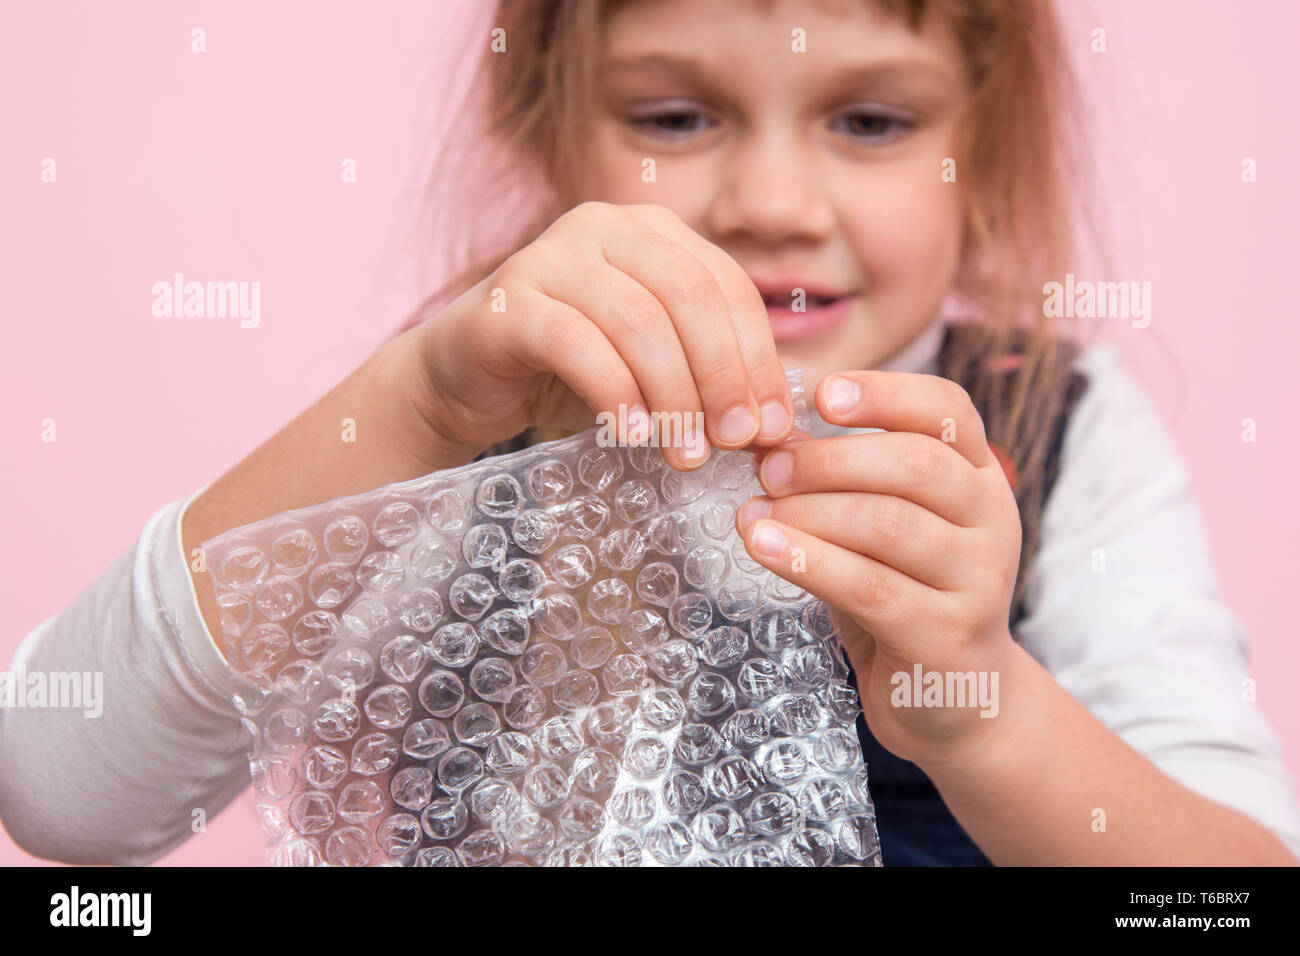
[[769, 190]]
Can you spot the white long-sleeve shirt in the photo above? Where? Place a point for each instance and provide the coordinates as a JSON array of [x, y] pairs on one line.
[[1147, 645]]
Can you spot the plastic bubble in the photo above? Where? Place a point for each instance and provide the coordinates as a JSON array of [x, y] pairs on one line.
[[499, 496], [636, 501], [535, 530], [484, 545]]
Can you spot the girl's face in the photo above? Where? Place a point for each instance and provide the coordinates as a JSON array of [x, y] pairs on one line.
[[820, 170]]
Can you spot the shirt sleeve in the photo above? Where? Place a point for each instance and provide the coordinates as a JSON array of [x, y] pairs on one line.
[[1125, 610], [122, 786]]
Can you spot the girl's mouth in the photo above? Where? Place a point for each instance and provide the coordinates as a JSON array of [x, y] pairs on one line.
[[820, 314]]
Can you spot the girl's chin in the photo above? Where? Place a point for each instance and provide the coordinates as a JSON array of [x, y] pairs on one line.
[[850, 345]]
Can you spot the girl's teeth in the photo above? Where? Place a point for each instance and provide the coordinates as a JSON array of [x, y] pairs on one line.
[[811, 302]]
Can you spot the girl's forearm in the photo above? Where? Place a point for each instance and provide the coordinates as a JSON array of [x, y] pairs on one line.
[[365, 432], [1048, 783]]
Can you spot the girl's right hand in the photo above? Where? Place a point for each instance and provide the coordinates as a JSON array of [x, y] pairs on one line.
[[611, 305]]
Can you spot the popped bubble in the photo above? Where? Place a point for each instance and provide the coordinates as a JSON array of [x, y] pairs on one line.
[[563, 656]]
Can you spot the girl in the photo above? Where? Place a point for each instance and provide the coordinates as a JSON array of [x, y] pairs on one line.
[[732, 187]]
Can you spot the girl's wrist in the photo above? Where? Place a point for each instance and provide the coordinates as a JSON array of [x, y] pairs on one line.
[[410, 391], [991, 741]]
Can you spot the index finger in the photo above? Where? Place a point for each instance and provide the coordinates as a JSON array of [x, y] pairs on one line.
[[748, 316], [909, 402]]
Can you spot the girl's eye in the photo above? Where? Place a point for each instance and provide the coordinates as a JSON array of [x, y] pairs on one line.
[[674, 123], [873, 126], [869, 126]]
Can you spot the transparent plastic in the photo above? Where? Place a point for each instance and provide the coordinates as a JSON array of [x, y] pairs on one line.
[[563, 656]]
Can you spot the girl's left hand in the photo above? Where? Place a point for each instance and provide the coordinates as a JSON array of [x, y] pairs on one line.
[[912, 535]]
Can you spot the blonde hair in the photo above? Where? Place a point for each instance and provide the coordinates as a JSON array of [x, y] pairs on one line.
[[521, 145]]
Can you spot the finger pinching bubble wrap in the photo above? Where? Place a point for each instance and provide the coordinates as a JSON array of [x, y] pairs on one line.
[[562, 656]]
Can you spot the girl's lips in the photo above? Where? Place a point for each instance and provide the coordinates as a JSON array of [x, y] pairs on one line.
[[791, 326]]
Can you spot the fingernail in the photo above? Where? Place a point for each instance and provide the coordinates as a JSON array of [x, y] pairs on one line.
[[778, 469], [737, 425], [773, 417], [769, 540], [842, 395], [752, 510]]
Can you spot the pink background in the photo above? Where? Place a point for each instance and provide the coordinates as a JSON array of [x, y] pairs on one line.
[[226, 165]]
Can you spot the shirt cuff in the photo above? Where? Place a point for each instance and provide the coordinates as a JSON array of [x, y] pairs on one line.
[[179, 603]]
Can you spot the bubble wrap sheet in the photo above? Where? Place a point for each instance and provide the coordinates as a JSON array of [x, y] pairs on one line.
[[562, 656]]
